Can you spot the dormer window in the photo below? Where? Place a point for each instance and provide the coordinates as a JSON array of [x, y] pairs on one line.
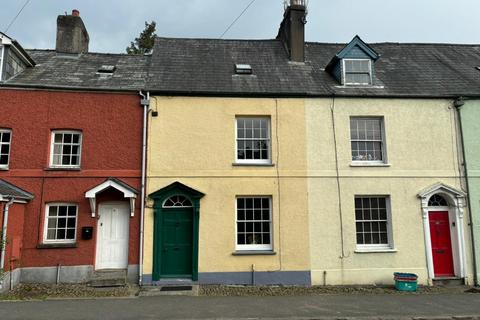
[[357, 71], [353, 65]]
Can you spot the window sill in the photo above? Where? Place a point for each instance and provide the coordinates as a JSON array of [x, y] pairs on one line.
[[254, 253], [62, 169], [369, 164], [56, 245], [236, 164], [4, 168], [376, 250]]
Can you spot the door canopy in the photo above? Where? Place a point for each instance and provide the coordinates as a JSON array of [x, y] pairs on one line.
[[178, 190], [454, 197], [128, 192]]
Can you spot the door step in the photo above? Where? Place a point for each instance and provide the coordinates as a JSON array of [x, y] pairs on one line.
[[448, 282], [169, 290], [108, 278]]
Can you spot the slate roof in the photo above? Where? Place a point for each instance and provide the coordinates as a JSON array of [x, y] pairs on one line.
[[71, 71], [8, 190], [206, 67]]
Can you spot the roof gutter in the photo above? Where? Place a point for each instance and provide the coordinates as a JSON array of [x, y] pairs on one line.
[[458, 103], [63, 88], [302, 95]]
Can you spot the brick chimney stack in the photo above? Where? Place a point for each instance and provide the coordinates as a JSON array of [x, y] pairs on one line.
[[292, 30], [72, 36]]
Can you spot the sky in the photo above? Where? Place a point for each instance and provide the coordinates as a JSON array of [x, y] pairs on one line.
[[112, 24]]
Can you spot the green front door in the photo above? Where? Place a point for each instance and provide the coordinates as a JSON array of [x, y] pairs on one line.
[[176, 243]]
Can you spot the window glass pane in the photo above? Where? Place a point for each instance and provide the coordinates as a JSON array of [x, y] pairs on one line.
[[71, 234], [5, 135]]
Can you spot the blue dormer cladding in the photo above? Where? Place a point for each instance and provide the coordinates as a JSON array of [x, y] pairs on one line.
[[356, 49]]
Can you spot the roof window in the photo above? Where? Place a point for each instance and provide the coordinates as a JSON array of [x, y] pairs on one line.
[[242, 68], [106, 69]]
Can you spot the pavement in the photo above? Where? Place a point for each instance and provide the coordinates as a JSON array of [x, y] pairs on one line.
[[369, 306]]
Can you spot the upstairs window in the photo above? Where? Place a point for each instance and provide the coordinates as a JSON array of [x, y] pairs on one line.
[[66, 149], [253, 140], [367, 139], [5, 141], [357, 71]]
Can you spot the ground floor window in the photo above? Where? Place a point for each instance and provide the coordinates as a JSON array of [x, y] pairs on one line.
[[254, 223], [61, 222], [372, 222]]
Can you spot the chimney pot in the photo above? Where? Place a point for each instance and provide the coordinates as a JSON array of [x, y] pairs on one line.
[[75, 13]]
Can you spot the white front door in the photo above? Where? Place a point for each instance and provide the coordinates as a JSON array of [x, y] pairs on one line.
[[112, 236]]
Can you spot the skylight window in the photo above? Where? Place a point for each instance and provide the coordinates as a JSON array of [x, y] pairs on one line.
[[357, 71], [241, 68], [106, 69]]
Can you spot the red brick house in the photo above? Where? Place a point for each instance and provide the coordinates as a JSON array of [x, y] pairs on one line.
[[71, 149]]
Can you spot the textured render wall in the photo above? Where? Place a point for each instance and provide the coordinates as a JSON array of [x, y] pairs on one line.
[[193, 141], [111, 128], [470, 114], [421, 151]]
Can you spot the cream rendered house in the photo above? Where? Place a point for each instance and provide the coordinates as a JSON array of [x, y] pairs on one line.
[[285, 162]]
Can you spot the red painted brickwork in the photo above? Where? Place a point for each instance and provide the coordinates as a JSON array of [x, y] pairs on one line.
[[111, 126]]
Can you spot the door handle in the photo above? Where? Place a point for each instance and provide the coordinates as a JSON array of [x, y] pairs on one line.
[[176, 248], [440, 251]]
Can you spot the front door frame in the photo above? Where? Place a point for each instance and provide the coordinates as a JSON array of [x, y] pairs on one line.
[[456, 200], [159, 197]]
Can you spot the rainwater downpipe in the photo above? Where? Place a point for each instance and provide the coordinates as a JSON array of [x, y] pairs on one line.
[[4, 232], [458, 103], [145, 102]]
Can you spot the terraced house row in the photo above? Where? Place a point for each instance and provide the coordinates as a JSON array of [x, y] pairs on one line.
[[240, 161]]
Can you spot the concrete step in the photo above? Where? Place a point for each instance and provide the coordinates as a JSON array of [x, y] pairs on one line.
[[169, 290], [449, 282], [108, 278]]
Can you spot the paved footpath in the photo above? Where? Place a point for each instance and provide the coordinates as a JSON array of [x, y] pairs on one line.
[[433, 306]]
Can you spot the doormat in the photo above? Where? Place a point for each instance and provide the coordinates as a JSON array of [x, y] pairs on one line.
[[176, 288]]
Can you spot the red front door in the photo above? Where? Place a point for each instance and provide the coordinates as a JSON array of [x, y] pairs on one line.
[[441, 244]]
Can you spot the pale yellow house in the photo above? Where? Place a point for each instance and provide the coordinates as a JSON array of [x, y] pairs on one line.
[[284, 162]]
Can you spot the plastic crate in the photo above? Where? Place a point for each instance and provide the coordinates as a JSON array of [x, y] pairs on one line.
[[405, 281]]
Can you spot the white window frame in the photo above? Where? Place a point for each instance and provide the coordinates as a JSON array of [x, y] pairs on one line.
[[382, 141], [52, 144], [9, 143], [45, 227], [269, 141], [254, 247], [2, 57], [344, 72], [376, 247]]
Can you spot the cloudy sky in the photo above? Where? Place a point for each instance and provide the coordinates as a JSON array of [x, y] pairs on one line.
[[112, 24]]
